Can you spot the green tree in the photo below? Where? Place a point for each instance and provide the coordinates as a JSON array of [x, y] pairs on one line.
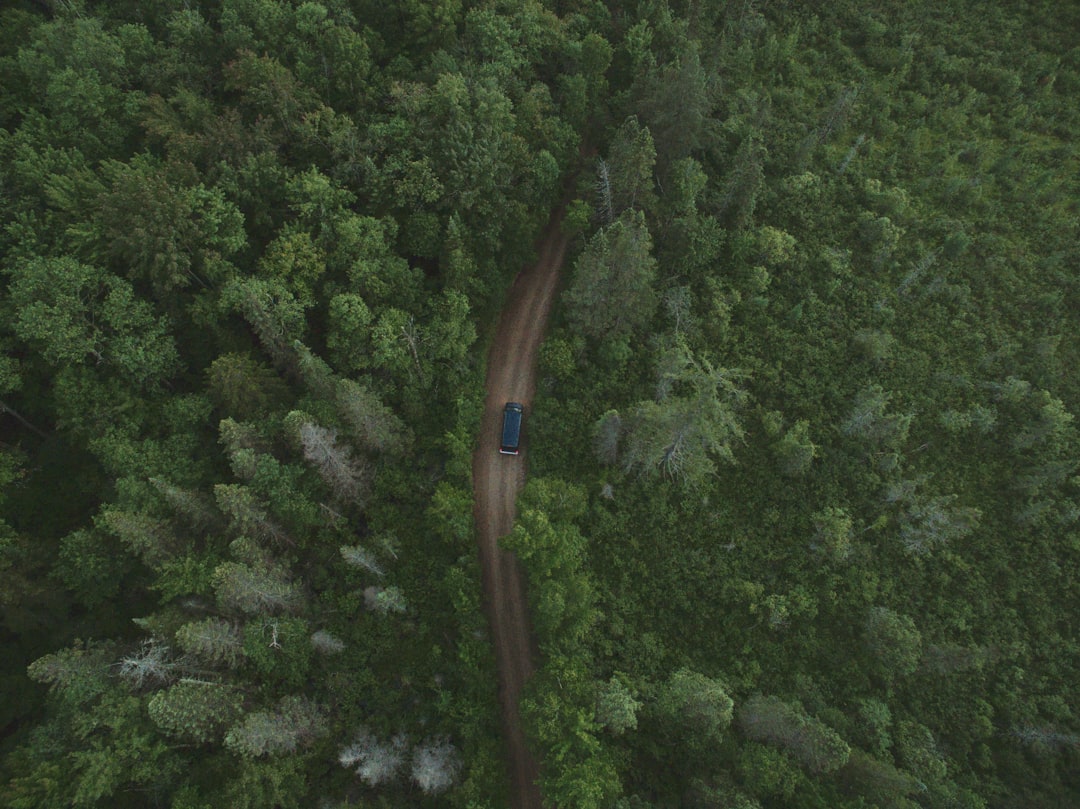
[[894, 641], [625, 179], [242, 387], [272, 311], [293, 724], [795, 451], [76, 314], [698, 705], [212, 641], [152, 223], [770, 720], [869, 422], [877, 779], [767, 772], [833, 532], [676, 102], [193, 710], [373, 425], [241, 588], [616, 708], [611, 294], [694, 419]]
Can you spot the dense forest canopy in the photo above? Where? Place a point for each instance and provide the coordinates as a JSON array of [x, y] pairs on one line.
[[803, 517]]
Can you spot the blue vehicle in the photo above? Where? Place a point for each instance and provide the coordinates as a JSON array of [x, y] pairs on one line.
[[511, 429]]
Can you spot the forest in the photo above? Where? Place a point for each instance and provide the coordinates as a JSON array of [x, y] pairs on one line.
[[802, 520]]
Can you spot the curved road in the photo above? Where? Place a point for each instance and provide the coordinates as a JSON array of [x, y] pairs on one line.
[[497, 481]]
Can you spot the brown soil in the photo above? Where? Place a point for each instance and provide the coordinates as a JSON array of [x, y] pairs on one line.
[[497, 481]]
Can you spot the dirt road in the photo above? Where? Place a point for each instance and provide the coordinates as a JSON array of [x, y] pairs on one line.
[[497, 480]]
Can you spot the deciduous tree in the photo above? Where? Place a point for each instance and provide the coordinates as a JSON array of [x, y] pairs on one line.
[[770, 720]]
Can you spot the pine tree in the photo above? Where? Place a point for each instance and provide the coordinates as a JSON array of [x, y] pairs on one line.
[[611, 293], [606, 434], [326, 643], [372, 424], [247, 515], [254, 590], [694, 420], [214, 641], [358, 556], [295, 723], [195, 710], [347, 477]]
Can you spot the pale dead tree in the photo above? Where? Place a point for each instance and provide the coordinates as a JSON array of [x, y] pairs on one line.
[[604, 204], [933, 521], [412, 337], [325, 643], [678, 301], [274, 628], [385, 600], [346, 476], [357, 556], [151, 665], [6, 408], [926, 262], [332, 517], [832, 120], [854, 150], [376, 762], [388, 544], [869, 421], [607, 431], [812, 743], [435, 763], [1045, 737]]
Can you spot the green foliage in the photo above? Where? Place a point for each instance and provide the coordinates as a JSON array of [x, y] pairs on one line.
[[616, 708], [767, 772], [695, 420], [194, 710], [279, 649], [773, 721], [795, 451], [611, 294], [77, 314], [894, 641], [698, 705], [246, 250], [213, 641], [294, 723]]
